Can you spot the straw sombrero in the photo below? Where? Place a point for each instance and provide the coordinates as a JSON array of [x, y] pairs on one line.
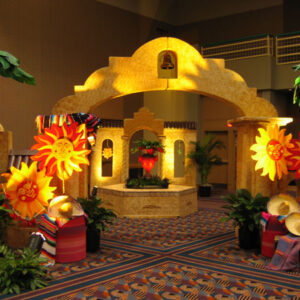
[[64, 207], [292, 223], [283, 205]]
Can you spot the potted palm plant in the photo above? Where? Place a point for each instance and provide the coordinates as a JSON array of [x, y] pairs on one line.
[[98, 219], [203, 157], [245, 210]]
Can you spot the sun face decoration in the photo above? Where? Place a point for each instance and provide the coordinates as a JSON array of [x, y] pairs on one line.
[[272, 148], [28, 190], [294, 158], [62, 149]]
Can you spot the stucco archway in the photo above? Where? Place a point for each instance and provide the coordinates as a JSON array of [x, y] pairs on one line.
[[139, 73]]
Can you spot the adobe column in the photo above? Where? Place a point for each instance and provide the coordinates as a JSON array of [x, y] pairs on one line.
[[246, 176]]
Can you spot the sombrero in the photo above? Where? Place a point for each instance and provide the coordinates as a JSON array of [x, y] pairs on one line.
[[64, 207], [292, 223], [283, 205]]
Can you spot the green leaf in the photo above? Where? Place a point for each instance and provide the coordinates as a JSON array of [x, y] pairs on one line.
[[5, 65], [10, 58]]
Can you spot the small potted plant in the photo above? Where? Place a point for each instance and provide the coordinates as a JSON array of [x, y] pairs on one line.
[[204, 159], [98, 219], [245, 210]]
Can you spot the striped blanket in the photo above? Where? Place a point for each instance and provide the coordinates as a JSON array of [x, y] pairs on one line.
[[48, 227], [286, 257], [65, 241]]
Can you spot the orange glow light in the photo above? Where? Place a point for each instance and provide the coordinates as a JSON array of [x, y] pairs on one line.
[[272, 147], [28, 190], [62, 149]]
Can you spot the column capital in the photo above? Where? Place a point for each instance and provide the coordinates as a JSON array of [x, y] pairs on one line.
[[262, 121]]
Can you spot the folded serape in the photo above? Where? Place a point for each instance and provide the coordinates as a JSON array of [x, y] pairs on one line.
[[286, 257], [48, 227]]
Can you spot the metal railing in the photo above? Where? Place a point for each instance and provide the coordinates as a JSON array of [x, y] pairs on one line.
[[240, 49], [287, 48]]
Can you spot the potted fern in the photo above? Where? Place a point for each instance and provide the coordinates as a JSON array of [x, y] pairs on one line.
[[203, 158], [245, 210], [98, 219]]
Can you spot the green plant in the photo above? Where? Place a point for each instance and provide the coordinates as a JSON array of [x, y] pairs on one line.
[[145, 144], [245, 209], [9, 67], [21, 270], [202, 156], [5, 218], [141, 182], [97, 217]]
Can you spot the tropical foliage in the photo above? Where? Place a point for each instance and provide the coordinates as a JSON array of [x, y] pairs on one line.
[[97, 217], [244, 209], [143, 182], [21, 270], [9, 67], [296, 96], [146, 144], [203, 157]]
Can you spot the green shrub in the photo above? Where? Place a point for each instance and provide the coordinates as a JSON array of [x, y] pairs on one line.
[[245, 209], [21, 270], [5, 218], [141, 182], [97, 216]]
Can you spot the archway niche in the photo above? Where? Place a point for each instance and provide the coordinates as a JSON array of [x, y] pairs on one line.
[[135, 168]]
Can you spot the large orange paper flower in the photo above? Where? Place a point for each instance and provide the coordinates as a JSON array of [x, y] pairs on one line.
[[271, 151], [62, 149], [28, 190], [294, 158]]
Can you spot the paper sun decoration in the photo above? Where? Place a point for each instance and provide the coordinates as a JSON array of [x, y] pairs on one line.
[[272, 148], [62, 149], [28, 190], [294, 158]]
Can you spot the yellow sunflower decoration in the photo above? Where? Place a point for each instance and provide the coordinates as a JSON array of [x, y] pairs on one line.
[[271, 151], [62, 149], [28, 190]]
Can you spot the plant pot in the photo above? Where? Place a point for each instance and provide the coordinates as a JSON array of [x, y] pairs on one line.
[[92, 239], [248, 239], [18, 236], [204, 190]]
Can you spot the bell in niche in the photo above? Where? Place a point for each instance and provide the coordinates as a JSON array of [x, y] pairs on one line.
[[167, 62]]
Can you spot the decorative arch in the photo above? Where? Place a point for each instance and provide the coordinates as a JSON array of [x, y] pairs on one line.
[[138, 73], [142, 120], [195, 74]]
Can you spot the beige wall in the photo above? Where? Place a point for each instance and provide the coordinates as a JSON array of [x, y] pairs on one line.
[[173, 105], [265, 20], [60, 43]]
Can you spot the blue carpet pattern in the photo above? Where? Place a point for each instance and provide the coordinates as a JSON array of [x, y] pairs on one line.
[[195, 257]]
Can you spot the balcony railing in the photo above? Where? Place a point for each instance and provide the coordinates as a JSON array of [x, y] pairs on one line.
[[240, 49], [288, 48], [285, 48]]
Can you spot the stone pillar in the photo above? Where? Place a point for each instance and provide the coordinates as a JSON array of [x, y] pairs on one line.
[[246, 176], [125, 161], [6, 146], [161, 166]]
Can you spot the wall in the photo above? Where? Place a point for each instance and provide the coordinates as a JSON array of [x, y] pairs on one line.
[[173, 105], [60, 43], [240, 25]]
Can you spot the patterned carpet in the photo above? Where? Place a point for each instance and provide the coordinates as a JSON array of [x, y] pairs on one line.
[[191, 258]]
